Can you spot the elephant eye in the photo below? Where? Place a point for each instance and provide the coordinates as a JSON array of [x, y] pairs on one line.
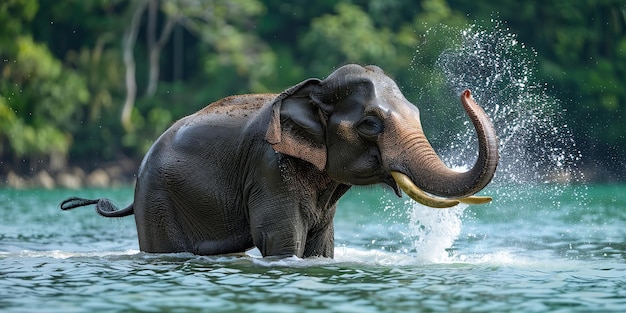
[[370, 126]]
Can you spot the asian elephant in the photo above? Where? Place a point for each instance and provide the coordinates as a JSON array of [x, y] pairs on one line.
[[267, 170]]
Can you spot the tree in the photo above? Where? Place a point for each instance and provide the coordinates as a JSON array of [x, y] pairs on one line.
[[76, 71], [37, 95], [130, 37], [37, 101], [214, 22]]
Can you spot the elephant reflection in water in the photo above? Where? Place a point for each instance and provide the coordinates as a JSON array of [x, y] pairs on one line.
[[267, 170]]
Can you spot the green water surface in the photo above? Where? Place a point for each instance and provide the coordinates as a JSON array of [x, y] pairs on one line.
[[546, 248]]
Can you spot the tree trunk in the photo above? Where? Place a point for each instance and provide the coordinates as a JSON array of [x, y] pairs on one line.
[[154, 46], [129, 61]]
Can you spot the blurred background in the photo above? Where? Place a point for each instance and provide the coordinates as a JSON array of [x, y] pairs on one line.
[[87, 86]]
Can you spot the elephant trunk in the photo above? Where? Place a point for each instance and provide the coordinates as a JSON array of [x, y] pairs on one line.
[[421, 168]]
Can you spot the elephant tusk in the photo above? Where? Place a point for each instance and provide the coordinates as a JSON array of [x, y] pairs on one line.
[[475, 200], [420, 196]]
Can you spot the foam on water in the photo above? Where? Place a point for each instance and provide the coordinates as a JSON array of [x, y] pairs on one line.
[[343, 255], [58, 254]]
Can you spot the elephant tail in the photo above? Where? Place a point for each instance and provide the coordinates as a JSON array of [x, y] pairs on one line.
[[104, 207]]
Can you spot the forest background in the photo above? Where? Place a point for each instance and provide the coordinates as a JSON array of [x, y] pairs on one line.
[[89, 85]]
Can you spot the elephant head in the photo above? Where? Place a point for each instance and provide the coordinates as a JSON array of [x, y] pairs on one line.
[[358, 127]]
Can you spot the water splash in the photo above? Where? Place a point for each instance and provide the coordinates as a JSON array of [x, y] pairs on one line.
[[536, 146], [434, 231]]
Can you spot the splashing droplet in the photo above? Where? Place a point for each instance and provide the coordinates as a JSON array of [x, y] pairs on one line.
[[536, 146]]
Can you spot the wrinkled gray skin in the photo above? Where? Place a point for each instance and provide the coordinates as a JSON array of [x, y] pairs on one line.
[[267, 170]]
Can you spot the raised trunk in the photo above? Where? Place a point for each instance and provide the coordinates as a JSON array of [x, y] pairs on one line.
[[426, 170]]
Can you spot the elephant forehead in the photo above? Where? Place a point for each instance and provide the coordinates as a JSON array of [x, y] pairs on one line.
[[387, 89]]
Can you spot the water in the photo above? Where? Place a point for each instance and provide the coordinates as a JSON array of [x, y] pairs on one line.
[[494, 258], [546, 242]]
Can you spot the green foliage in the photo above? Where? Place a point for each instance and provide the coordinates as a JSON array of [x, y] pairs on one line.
[[63, 77], [102, 71], [348, 36], [38, 102], [228, 58], [231, 43], [13, 14]]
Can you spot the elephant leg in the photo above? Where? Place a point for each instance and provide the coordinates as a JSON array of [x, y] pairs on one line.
[[321, 243], [224, 246], [157, 228], [276, 235], [280, 243]]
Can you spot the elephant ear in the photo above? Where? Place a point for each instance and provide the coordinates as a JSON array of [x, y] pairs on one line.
[[297, 125]]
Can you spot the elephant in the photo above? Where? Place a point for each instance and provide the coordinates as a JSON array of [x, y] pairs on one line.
[[266, 170]]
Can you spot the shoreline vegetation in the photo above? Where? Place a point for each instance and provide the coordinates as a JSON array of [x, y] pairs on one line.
[[88, 85], [123, 174], [112, 175]]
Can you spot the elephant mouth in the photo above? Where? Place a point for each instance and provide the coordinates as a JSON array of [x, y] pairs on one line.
[[406, 184]]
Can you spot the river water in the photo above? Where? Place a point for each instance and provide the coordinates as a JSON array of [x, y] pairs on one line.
[[534, 249]]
